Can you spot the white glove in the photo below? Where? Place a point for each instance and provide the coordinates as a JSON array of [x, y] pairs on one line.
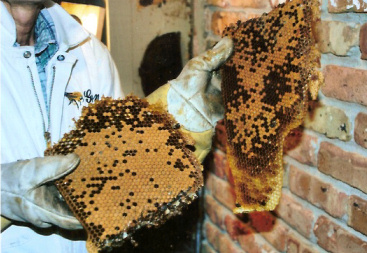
[[28, 194], [194, 97]]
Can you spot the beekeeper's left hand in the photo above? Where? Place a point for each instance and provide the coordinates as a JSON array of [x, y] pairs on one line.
[[194, 97]]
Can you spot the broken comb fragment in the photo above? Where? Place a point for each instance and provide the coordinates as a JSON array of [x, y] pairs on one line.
[[135, 170], [266, 84]]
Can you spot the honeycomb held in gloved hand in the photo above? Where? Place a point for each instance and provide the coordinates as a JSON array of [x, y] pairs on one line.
[[265, 87], [135, 169]]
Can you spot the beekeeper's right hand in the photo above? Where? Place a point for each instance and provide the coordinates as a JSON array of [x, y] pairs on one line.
[[28, 194]]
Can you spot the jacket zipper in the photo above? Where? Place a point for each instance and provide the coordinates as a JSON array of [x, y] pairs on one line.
[[46, 132], [48, 137]]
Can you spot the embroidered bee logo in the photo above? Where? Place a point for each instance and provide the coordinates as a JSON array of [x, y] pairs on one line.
[[74, 98], [77, 97]]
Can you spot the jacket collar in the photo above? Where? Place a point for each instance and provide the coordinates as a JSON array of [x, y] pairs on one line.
[[69, 33]]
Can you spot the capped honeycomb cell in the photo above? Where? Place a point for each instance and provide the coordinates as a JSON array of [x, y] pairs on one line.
[[266, 86], [136, 170]]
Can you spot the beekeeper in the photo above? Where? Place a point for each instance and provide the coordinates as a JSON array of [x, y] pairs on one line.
[[50, 68]]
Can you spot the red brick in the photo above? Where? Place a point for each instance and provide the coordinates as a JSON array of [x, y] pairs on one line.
[[220, 164], [222, 191], [278, 235], [348, 167], [337, 6], [240, 3], [220, 138], [310, 251], [360, 129], [212, 234], [301, 146], [347, 84], [350, 243], [357, 214], [318, 192], [328, 197], [254, 243], [293, 247], [363, 41], [299, 182], [221, 20], [296, 215], [298, 244], [248, 243], [227, 245], [235, 227], [215, 211], [332, 237], [209, 181]]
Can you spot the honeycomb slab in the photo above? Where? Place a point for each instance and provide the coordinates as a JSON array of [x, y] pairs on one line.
[[136, 170], [266, 85]]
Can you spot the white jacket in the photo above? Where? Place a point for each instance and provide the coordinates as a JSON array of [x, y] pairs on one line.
[[82, 64]]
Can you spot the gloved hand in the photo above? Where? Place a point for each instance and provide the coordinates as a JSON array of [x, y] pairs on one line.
[[194, 97], [28, 194]]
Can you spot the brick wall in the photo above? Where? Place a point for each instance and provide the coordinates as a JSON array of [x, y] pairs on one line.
[[324, 200]]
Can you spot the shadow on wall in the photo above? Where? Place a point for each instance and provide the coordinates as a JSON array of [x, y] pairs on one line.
[[161, 62], [177, 235]]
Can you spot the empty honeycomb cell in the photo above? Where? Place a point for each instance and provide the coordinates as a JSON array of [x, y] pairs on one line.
[[125, 179], [266, 85]]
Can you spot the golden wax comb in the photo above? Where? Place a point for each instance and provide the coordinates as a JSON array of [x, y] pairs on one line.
[[136, 170], [265, 86]]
